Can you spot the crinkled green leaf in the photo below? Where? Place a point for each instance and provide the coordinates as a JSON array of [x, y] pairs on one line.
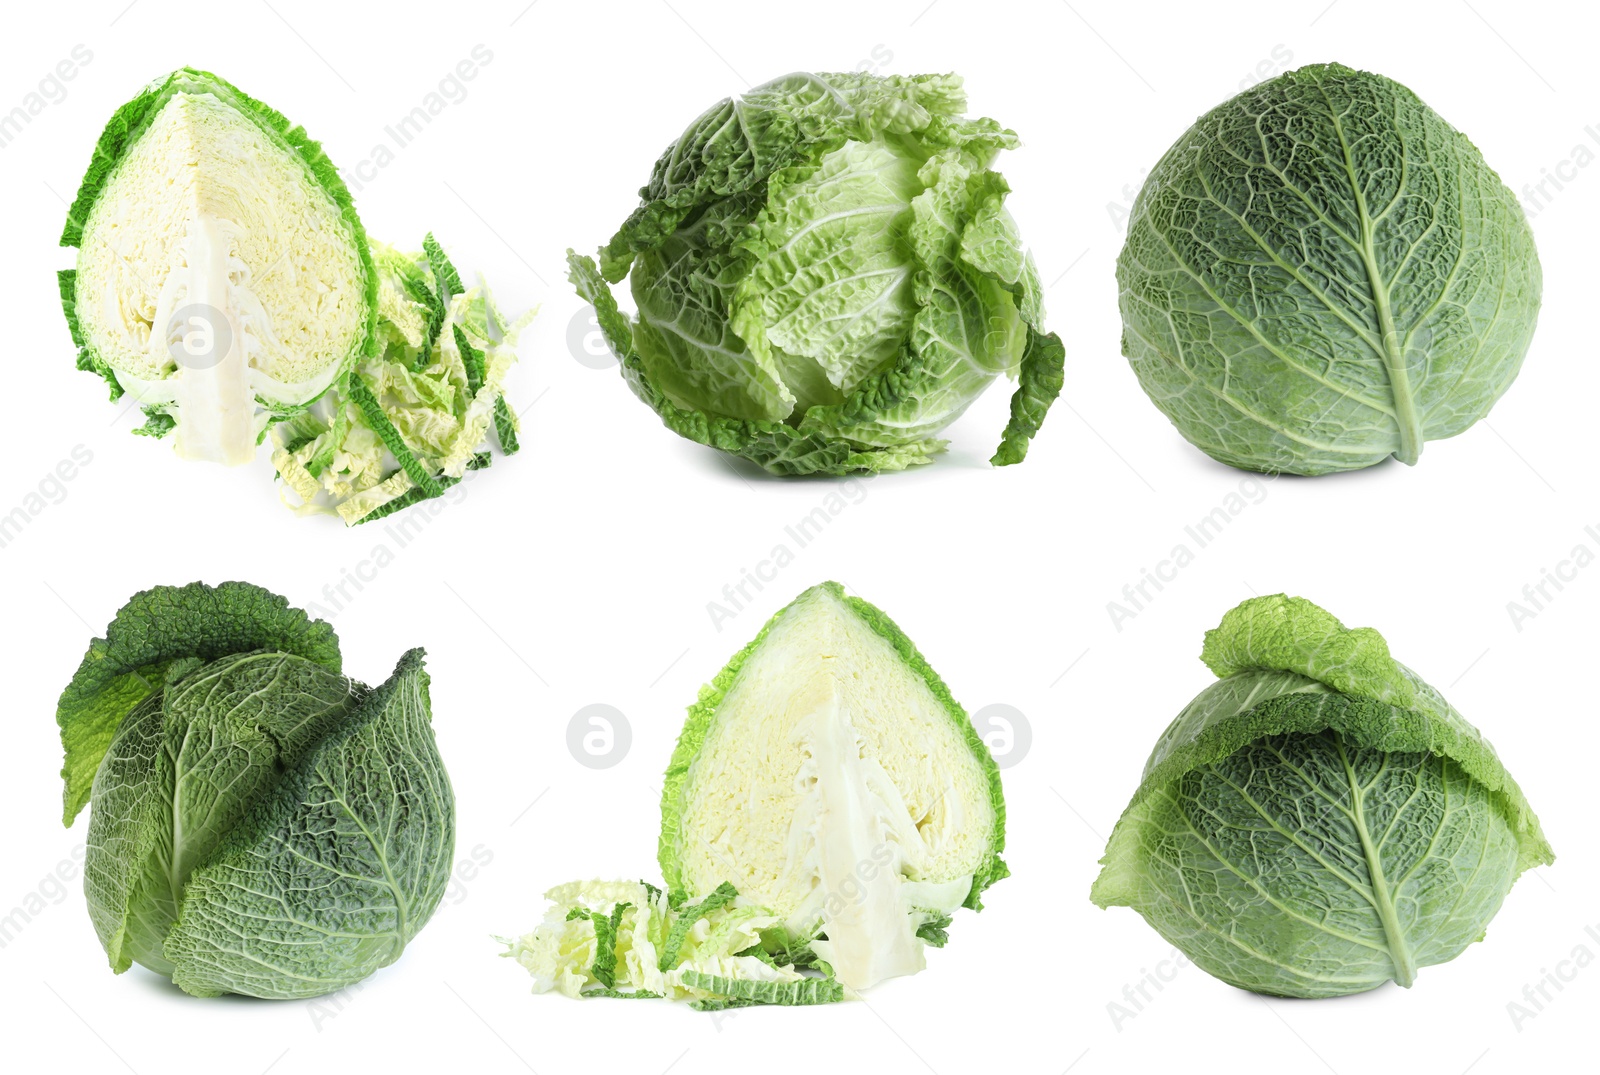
[[1319, 820], [156, 628], [337, 870], [1038, 385], [1322, 273], [604, 967], [88, 361], [734, 992], [184, 769], [157, 423], [775, 446], [688, 915], [832, 282]]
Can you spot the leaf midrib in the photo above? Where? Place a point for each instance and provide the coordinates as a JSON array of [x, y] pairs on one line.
[[1405, 968], [1407, 419]]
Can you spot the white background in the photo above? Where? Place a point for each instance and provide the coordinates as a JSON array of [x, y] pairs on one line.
[[581, 570]]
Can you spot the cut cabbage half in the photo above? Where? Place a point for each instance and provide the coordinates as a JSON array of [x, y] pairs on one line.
[[223, 277], [828, 775]]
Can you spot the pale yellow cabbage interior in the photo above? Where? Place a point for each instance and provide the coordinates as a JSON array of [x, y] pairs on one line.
[[834, 785], [206, 207]]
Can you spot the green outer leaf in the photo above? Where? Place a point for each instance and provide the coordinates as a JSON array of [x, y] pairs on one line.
[[437, 311], [185, 766], [1291, 634], [1038, 385], [1294, 635], [129, 122], [471, 360], [505, 427], [426, 484], [935, 932], [704, 711], [415, 495], [155, 628], [721, 1004], [729, 149], [783, 947], [124, 830], [775, 446], [157, 423], [688, 915], [445, 276], [824, 291], [738, 992], [604, 967], [738, 143], [88, 361], [1364, 723], [446, 282], [338, 883]]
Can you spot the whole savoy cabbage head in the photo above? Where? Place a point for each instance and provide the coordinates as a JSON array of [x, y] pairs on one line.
[[260, 824], [1322, 273], [826, 277], [1319, 821]]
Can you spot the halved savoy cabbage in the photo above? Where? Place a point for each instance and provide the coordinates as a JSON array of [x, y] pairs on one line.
[[1322, 273], [225, 282], [1319, 821], [259, 823], [203, 203], [829, 776], [827, 810]]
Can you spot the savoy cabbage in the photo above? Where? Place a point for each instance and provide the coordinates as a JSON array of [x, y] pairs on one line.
[[1319, 821], [225, 283], [828, 809], [1322, 273], [259, 824], [826, 277]]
